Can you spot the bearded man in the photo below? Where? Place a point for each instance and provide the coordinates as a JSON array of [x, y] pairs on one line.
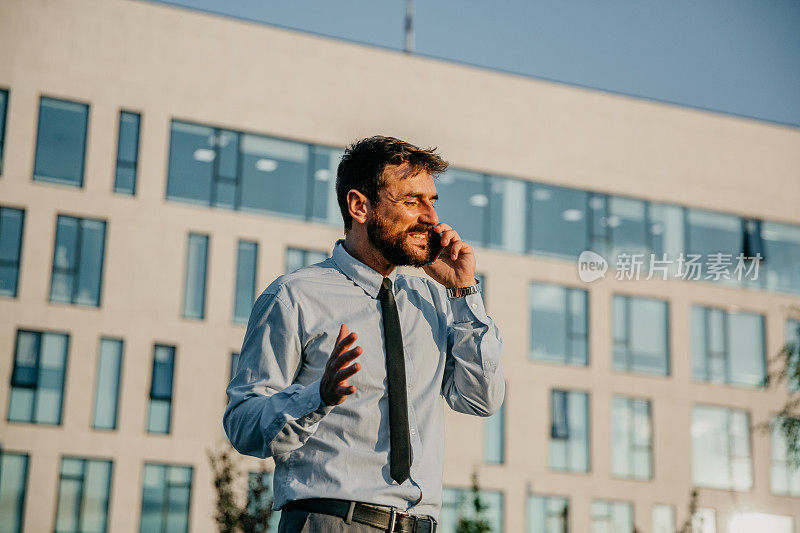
[[344, 362]]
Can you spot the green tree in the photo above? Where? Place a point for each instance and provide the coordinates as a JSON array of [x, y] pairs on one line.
[[478, 523], [234, 514], [786, 374]]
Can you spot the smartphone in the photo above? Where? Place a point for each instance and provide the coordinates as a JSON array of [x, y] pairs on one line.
[[436, 247]]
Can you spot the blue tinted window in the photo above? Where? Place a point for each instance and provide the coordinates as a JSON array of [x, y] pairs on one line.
[[246, 267], [13, 479], [631, 438], [459, 503], [793, 347], [83, 493], [11, 223], [160, 409], [721, 455], [192, 152], [275, 175], [494, 436], [37, 381], [166, 493], [464, 203], [641, 335], [78, 261], [713, 233], [61, 142], [127, 152], [612, 516], [259, 498], [194, 292], [557, 220], [547, 514], [728, 347], [297, 258], [325, 207], [3, 110], [569, 442], [784, 475], [507, 212], [782, 253], [559, 324], [106, 397]]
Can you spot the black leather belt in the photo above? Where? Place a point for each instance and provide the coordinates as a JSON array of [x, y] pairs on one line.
[[385, 518]]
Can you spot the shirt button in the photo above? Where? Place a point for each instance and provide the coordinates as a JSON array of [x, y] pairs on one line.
[[310, 405], [474, 306], [413, 431]]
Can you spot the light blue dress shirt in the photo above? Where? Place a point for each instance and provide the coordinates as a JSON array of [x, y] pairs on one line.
[[452, 350]]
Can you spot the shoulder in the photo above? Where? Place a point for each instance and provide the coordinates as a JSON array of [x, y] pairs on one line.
[[287, 287]]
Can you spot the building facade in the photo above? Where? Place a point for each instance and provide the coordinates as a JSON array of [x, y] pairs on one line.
[[159, 167]]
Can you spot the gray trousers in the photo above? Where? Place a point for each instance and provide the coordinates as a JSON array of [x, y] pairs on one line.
[[297, 521]]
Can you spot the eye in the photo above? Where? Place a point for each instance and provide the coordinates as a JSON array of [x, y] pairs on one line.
[[411, 203]]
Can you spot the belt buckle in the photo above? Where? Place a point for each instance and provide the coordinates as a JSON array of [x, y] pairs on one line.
[[427, 519], [392, 519]]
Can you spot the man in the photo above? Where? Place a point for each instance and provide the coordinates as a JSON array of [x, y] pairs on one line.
[[356, 431]]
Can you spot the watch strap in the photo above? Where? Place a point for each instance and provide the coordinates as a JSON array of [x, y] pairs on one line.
[[460, 292]]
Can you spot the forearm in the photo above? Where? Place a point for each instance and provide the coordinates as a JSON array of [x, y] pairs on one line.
[[473, 381], [264, 425]]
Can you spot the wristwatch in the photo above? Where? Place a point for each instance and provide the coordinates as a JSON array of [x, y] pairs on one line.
[[459, 292]]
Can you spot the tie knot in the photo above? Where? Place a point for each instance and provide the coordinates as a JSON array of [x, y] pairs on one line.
[[386, 285]]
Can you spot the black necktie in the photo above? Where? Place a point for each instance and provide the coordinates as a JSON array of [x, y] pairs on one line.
[[400, 443]]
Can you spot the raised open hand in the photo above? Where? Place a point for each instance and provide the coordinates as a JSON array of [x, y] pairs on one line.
[[333, 387]]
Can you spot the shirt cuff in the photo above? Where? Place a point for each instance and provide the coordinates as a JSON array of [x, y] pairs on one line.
[[312, 403], [468, 308]]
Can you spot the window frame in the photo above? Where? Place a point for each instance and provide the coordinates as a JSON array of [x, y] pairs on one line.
[[75, 271], [86, 144], [5, 262], [131, 165], [630, 355]]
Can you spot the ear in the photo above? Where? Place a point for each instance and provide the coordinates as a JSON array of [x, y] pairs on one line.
[[358, 205]]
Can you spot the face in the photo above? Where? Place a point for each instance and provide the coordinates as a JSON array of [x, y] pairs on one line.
[[401, 224]]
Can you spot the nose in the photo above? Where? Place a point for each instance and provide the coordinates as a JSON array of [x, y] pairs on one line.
[[429, 215]]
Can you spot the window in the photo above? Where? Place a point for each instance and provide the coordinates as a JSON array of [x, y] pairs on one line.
[[106, 396], [166, 494], [160, 411], [78, 261], [785, 478], [258, 499], [782, 256], [224, 168], [641, 335], [663, 518], [297, 258], [61, 142], [194, 291], [325, 206], [569, 434], [666, 230], [457, 503], [559, 324], [3, 112], [234, 365], [494, 429], [127, 152], [11, 222], [616, 225], [507, 212], [557, 221], [548, 514], [246, 268], [83, 496], [762, 522], [793, 346], [37, 381], [632, 438], [463, 203], [728, 347], [13, 479], [612, 517], [713, 233], [721, 448], [704, 520]]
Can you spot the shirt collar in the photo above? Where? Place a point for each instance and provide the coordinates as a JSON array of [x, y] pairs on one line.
[[365, 277]]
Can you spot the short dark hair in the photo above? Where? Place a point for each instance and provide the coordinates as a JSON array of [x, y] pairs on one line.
[[364, 161]]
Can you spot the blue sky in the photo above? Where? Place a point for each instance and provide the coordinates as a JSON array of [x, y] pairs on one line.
[[740, 57]]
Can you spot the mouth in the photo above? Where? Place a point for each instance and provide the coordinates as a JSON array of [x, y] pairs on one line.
[[419, 238]]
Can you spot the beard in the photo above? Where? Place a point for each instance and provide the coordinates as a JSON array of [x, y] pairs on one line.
[[395, 246]]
